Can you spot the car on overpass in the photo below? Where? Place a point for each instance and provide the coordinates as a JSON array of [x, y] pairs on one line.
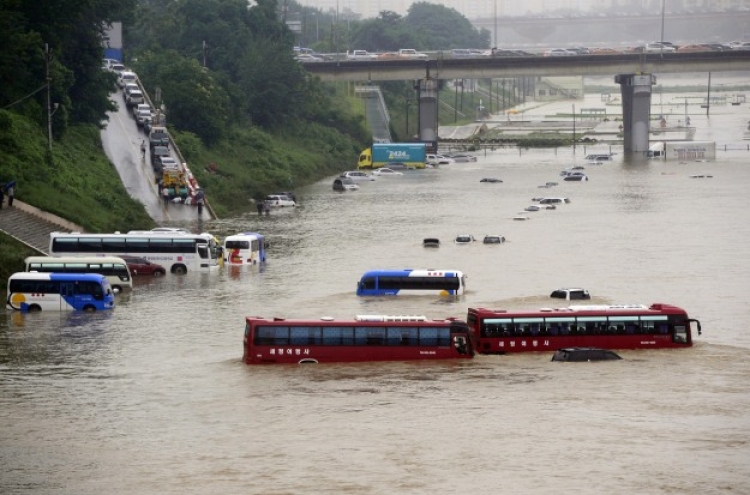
[[360, 55], [659, 47], [411, 53], [307, 58]]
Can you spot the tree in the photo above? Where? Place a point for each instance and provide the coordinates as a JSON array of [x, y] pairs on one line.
[[195, 101], [73, 30], [443, 28]]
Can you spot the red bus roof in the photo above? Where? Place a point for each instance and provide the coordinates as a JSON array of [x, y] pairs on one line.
[[576, 309]]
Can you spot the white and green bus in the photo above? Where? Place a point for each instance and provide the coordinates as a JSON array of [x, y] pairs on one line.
[[115, 269]]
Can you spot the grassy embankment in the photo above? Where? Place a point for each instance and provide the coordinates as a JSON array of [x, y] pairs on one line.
[[251, 163]]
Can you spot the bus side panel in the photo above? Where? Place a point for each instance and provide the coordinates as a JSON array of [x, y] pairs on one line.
[[292, 354], [46, 302]]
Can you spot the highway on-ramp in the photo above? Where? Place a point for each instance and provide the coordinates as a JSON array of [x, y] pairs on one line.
[[122, 139]]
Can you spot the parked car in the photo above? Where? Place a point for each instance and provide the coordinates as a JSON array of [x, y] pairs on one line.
[[131, 86], [143, 117], [158, 137], [579, 354], [139, 107], [168, 162], [157, 152], [126, 77], [279, 201], [142, 266], [134, 98]]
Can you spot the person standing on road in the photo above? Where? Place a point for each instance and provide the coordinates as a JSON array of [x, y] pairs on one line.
[[2, 196], [143, 149], [165, 195], [11, 191]]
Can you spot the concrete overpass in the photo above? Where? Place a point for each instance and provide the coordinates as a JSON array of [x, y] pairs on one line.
[[633, 71], [507, 67]]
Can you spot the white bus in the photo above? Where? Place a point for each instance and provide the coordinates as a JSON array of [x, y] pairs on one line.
[[32, 292], [179, 252], [246, 248], [115, 269]]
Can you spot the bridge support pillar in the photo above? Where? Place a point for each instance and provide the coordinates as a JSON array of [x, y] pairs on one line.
[[636, 110], [428, 110]]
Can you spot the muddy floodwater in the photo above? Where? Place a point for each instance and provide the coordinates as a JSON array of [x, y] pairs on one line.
[[153, 398]]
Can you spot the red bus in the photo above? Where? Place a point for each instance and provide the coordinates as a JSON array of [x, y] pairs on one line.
[[366, 338], [499, 331]]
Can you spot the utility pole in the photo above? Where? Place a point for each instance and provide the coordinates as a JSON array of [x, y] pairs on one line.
[[49, 97], [574, 128]]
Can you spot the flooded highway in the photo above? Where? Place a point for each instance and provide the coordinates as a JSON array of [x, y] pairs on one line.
[[153, 398]]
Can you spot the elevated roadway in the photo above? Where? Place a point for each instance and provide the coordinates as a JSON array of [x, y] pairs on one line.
[[634, 72], [529, 66]]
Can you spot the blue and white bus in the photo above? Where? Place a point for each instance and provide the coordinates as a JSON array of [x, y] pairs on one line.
[[31, 292], [393, 282], [246, 248]]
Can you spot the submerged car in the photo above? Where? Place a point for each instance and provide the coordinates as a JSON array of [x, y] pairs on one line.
[[385, 171], [575, 294], [358, 176], [461, 158], [582, 354], [493, 239], [344, 184], [279, 201], [464, 239], [142, 266]]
